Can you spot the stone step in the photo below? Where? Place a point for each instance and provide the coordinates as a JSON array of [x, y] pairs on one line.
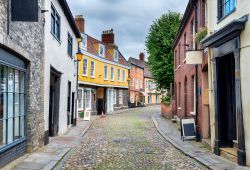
[[229, 153]]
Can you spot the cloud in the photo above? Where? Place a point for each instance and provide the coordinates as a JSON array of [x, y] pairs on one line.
[[130, 19]]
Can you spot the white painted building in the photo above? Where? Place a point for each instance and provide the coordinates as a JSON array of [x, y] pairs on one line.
[[61, 45]]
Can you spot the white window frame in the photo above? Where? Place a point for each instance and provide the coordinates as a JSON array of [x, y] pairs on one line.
[[114, 96], [92, 75], [123, 75], [119, 74], [106, 76], [112, 74], [84, 42], [82, 90], [120, 96], [101, 46], [116, 56], [85, 100], [85, 74]]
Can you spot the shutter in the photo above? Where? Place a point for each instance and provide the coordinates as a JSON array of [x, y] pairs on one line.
[[24, 10]]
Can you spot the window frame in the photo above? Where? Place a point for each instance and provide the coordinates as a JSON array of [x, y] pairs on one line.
[[119, 74], [84, 39], [92, 70], [221, 9], [106, 75], [116, 57], [70, 44], [123, 75], [55, 17], [120, 97], [101, 46], [87, 90], [82, 98], [114, 96], [112, 74], [85, 74]]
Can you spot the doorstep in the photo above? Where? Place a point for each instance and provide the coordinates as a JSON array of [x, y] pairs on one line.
[[192, 149]]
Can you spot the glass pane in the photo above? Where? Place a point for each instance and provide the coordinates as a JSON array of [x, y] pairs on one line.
[[22, 126], [16, 104], [16, 81], [10, 105], [3, 106], [17, 133], [2, 132], [22, 79], [11, 80], [10, 130], [21, 104], [3, 78]]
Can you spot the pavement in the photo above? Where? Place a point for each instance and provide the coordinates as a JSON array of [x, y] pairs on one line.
[[47, 157], [127, 140], [169, 131]]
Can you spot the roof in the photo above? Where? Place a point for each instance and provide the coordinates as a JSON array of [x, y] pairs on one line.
[[147, 73], [69, 17], [91, 41], [184, 20], [137, 62]]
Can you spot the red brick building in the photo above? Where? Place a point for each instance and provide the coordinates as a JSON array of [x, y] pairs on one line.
[[136, 75], [184, 75]]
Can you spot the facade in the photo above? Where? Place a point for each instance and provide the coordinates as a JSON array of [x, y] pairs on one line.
[[136, 84], [21, 72], [61, 45], [190, 81], [103, 74], [228, 46], [152, 95]]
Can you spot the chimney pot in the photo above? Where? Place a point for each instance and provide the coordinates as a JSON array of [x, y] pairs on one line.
[[108, 37], [142, 56]]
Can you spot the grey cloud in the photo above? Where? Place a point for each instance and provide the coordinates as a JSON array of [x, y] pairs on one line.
[[130, 19]]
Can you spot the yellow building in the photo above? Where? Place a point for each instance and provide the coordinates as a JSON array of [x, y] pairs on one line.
[[102, 74]]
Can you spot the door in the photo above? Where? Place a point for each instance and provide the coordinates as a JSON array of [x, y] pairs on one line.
[[110, 107], [68, 104], [72, 107]]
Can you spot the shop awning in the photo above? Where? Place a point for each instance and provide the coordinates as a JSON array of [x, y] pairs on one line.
[[144, 94]]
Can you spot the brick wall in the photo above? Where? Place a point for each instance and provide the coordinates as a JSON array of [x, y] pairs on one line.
[[27, 39], [184, 74]]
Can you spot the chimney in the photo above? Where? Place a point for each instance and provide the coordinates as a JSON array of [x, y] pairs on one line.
[[142, 56], [108, 37], [80, 23]]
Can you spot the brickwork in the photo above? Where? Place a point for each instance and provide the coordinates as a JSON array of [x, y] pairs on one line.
[[184, 74], [27, 40]]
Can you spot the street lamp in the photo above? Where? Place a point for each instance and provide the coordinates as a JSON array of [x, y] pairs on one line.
[[79, 56]]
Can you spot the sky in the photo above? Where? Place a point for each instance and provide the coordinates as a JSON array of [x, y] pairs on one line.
[[130, 19]]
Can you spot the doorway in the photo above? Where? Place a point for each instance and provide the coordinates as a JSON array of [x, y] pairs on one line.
[[54, 99], [226, 100], [72, 107]]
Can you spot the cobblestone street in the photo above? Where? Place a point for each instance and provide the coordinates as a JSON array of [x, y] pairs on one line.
[[127, 140]]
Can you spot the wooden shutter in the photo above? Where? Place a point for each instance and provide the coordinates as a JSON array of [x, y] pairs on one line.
[[24, 10]]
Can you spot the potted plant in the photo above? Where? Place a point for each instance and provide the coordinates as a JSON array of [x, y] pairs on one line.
[[166, 107], [199, 36]]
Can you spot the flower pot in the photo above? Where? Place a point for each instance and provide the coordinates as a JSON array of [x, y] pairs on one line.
[[166, 110]]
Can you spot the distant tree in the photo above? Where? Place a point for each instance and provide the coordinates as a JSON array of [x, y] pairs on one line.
[[159, 44]]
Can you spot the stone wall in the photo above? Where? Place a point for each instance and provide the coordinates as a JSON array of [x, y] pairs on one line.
[[27, 40]]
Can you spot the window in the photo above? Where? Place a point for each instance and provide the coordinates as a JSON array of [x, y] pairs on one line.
[[84, 42], [116, 56], [136, 84], [226, 7], [123, 75], [80, 99], [55, 23], [120, 96], [101, 50], [87, 94], [146, 83], [70, 45], [119, 74], [179, 57], [141, 84], [179, 96], [12, 114], [150, 85], [114, 97], [85, 67], [92, 69], [112, 73], [105, 72], [132, 82]]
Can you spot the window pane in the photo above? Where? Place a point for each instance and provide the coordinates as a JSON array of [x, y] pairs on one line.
[[3, 78], [22, 126], [22, 79], [17, 134], [21, 104], [16, 81], [2, 132], [10, 105], [11, 80], [10, 130], [16, 104]]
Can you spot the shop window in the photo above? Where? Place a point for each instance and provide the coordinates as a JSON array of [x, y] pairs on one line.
[[12, 106], [87, 94], [80, 99], [120, 96]]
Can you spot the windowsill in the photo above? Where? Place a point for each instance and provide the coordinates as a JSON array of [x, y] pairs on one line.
[[222, 18], [92, 77], [179, 108], [84, 75], [54, 36], [106, 79]]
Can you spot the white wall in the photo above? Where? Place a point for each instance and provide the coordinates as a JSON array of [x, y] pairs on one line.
[[243, 8], [57, 57]]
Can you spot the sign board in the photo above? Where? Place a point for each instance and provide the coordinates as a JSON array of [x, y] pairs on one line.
[[188, 129], [194, 57], [87, 115]]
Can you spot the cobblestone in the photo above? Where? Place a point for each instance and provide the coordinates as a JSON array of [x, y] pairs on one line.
[[127, 140]]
